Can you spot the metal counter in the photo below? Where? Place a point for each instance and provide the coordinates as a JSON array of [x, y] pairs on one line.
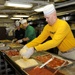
[[67, 70], [17, 69]]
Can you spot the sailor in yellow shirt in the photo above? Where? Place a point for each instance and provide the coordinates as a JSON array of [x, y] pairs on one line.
[[60, 32]]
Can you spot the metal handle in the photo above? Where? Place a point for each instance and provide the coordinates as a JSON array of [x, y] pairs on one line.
[[46, 62]]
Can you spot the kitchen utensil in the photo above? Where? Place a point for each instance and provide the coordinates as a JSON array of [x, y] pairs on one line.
[[46, 62], [59, 68]]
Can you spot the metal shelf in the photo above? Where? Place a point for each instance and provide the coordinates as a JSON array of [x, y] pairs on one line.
[[17, 69]]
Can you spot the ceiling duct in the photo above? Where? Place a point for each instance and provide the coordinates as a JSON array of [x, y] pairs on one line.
[[64, 4]]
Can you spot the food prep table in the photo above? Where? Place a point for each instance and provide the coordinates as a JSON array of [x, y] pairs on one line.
[[66, 70], [5, 66], [17, 69]]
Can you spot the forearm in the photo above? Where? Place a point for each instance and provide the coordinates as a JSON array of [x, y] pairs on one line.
[[25, 39]]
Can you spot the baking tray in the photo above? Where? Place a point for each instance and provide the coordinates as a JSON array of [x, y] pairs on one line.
[[30, 70], [11, 52], [4, 48], [54, 63], [22, 61], [14, 45], [5, 41]]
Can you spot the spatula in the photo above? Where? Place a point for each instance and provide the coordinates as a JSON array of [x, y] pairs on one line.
[[59, 68], [46, 62]]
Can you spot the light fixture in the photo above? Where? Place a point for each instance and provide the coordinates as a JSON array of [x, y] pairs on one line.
[[39, 9], [15, 18], [16, 4], [3, 15], [20, 16]]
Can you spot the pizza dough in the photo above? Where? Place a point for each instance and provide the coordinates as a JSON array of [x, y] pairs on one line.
[[26, 64]]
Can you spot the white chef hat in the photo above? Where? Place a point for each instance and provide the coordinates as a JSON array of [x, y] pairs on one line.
[[17, 23], [48, 9], [23, 21]]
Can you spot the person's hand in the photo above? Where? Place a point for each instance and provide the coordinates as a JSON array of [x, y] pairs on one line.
[[14, 40], [23, 50], [19, 41], [27, 52]]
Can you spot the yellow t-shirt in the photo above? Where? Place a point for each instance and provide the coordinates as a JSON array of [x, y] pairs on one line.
[[61, 35]]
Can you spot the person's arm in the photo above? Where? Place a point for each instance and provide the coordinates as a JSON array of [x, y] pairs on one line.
[[58, 37], [29, 48], [23, 32], [16, 34], [25, 39], [14, 40], [41, 38], [15, 37]]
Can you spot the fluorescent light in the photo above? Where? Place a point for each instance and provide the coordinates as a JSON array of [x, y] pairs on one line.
[[20, 5], [20, 16], [39, 9], [3, 15], [15, 18]]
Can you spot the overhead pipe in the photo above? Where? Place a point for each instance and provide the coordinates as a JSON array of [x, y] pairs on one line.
[[65, 4]]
